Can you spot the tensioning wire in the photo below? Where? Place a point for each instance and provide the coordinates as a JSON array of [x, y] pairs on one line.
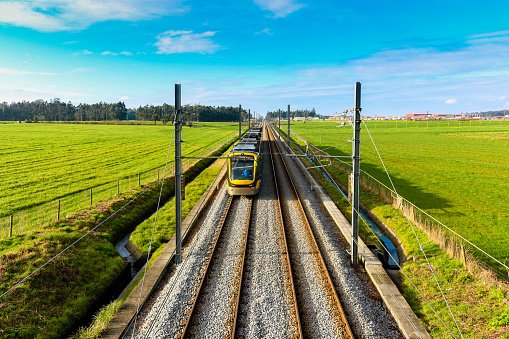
[[74, 243], [153, 227], [415, 234], [406, 275], [394, 259], [176, 277], [383, 280]]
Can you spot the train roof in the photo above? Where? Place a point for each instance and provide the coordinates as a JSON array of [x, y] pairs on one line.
[[245, 148], [247, 140]]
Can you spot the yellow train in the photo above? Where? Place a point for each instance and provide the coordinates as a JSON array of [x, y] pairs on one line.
[[244, 177]]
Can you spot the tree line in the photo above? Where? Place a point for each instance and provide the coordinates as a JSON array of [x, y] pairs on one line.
[[56, 110], [197, 112], [306, 113]]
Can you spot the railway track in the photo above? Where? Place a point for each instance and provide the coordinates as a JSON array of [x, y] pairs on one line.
[[225, 255], [253, 270], [313, 286]]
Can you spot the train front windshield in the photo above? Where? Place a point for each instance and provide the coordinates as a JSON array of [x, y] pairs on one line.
[[242, 169]]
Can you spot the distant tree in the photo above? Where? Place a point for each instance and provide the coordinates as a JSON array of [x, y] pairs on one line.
[[119, 111], [155, 117]]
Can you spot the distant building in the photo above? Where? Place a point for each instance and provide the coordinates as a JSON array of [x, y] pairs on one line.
[[432, 116], [335, 117]]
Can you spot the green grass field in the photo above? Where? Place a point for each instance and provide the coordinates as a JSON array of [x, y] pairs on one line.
[[41, 163], [458, 174], [53, 302]]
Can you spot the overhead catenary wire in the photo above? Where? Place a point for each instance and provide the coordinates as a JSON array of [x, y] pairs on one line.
[[406, 275], [153, 227], [178, 273], [415, 234], [433, 218], [193, 250], [394, 259], [77, 241], [383, 280]]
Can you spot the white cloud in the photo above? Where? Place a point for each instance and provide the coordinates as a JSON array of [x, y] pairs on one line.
[[115, 53], [84, 52], [472, 78], [125, 97], [25, 15], [279, 8], [265, 31], [186, 42], [61, 15], [503, 97], [490, 35]]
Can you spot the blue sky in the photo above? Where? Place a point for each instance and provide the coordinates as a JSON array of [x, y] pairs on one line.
[[437, 56]]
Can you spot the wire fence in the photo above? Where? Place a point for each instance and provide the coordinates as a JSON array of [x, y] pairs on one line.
[[454, 244], [29, 219], [398, 124]]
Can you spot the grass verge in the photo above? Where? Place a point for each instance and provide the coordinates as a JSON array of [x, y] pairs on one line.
[[54, 301], [164, 230], [481, 309]]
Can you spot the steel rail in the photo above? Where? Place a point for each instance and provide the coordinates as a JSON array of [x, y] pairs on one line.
[[191, 312], [285, 242], [322, 262], [247, 225]]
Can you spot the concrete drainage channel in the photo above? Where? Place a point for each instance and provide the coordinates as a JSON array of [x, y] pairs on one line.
[[408, 322], [406, 319], [390, 260]]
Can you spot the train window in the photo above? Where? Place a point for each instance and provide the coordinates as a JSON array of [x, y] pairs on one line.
[[242, 170]]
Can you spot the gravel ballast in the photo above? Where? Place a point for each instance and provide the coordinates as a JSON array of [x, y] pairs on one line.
[[266, 308]]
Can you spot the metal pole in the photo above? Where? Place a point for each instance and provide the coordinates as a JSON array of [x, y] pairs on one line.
[[288, 118], [178, 174], [356, 173], [279, 121], [240, 121], [249, 120]]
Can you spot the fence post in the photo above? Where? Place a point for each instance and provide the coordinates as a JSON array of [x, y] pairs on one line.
[[118, 186], [58, 210], [10, 229], [139, 180], [90, 197], [463, 257]]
